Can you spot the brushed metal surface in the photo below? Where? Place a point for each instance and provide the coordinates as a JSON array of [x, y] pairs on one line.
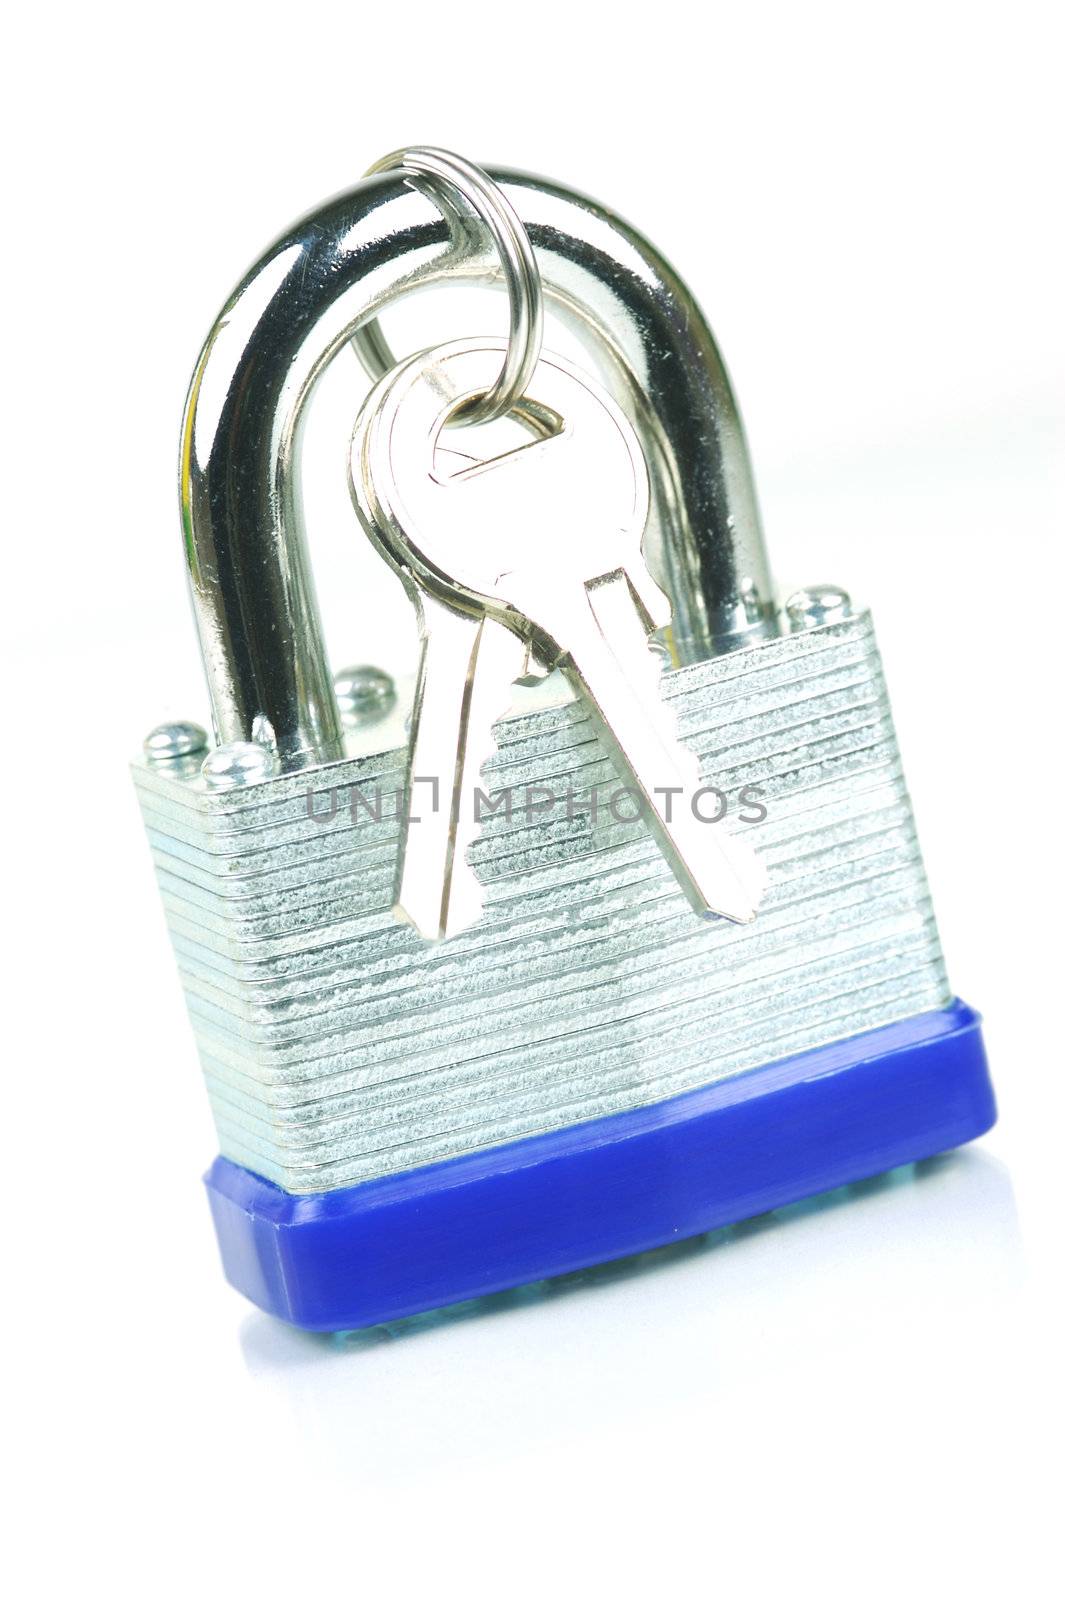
[[338, 1046]]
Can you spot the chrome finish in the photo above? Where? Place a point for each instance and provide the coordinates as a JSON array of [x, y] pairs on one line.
[[240, 496], [821, 603], [547, 540], [339, 1046], [173, 740], [520, 272], [363, 694], [234, 766]]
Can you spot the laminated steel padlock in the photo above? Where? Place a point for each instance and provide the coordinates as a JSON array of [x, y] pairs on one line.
[[588, 1068]]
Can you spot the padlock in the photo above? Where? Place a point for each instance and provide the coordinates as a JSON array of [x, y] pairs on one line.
[[588, 1070]]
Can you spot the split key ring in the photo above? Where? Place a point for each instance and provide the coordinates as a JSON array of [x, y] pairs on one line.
[[520, 271]]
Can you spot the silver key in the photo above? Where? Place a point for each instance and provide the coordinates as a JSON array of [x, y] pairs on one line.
[[468, 664], [547, 539]]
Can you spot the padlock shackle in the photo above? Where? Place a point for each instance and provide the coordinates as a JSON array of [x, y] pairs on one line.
[[252, 589]]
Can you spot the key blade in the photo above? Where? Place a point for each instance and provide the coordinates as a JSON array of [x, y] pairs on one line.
[[467, 668], [425, 864], [609, 661], [501, 657]]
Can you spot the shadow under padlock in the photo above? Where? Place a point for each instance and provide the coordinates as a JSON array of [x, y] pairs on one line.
[[590, 1070]]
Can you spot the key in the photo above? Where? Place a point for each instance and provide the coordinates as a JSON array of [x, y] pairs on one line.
[[546, 538], [467, 666]]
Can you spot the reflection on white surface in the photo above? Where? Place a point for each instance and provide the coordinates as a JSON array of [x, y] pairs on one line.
[[877, 1280]]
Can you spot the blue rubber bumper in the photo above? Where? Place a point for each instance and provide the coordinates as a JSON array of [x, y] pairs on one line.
[[585, 1194]]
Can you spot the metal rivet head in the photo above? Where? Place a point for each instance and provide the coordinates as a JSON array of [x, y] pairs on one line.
[[232, 766], [824, 602], [364, 693], [171, 740]]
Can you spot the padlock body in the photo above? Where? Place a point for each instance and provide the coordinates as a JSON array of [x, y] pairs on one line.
[[356, 1068]]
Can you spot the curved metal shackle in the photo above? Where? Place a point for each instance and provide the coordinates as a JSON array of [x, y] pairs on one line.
[[334, 271]]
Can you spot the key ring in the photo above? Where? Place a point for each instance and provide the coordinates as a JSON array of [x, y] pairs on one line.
[[519, 269]]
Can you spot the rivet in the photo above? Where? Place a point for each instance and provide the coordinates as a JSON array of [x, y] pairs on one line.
[[171, 740], [823, 602], [364, 693], [232, 766]]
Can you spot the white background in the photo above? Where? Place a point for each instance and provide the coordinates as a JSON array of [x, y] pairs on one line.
[[860, 1398]]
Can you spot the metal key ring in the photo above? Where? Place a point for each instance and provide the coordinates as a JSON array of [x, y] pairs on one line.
[[519, 269]]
